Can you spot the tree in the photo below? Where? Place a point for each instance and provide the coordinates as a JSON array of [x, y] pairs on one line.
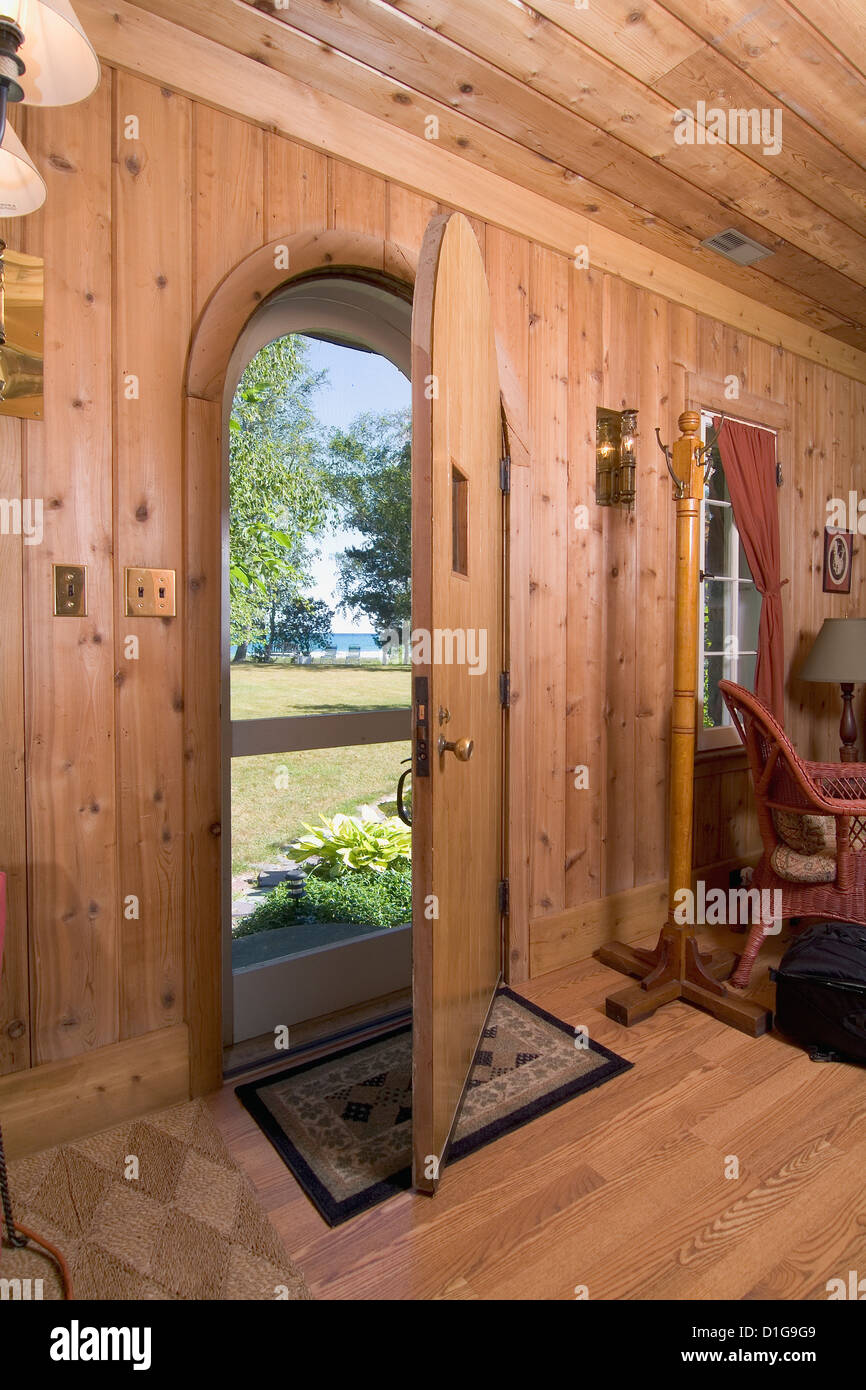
[[276, 501], [302, 624], [367, 473], [249, 614]]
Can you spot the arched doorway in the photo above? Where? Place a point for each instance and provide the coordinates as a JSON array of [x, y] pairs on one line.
[[239, 297]]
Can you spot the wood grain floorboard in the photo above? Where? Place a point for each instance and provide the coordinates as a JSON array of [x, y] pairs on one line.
[[624, 1189]]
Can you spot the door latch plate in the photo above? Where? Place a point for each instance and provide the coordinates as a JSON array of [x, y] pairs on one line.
[[422, 726]]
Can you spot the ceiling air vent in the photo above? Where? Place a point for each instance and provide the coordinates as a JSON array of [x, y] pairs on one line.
[[737, 247]]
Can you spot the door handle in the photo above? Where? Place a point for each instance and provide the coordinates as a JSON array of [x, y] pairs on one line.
[[462, 748], [401, 809]]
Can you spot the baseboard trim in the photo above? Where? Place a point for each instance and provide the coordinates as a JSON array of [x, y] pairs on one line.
[[60, 1101], [565, 938]]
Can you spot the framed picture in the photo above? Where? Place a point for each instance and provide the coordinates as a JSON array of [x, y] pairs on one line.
[[838, 550]]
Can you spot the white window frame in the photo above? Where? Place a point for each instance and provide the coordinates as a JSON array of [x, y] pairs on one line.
[[724, 735]]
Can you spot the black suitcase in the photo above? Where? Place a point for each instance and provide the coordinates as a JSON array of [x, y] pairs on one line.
[[821, 992]]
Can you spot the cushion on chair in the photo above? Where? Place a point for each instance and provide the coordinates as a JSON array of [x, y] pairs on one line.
[[805, 833], [802, 868]]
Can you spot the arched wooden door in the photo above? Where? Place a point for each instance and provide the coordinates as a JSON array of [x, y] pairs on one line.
[[457, 617]]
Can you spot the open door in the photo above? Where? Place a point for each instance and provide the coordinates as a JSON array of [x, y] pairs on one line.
[[457, 617]]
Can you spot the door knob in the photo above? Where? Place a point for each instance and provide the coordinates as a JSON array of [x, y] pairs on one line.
[[462, 748]]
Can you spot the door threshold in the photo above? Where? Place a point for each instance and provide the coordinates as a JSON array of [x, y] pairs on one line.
[[317, 1037]]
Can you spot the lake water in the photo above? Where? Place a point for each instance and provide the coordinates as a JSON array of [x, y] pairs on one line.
[[344, 640], [341, 640]]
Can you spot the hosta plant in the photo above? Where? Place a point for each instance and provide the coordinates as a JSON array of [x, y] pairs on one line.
[[363, 898], [344, 843]]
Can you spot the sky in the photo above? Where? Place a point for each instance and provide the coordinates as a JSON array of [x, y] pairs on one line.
[[358, 382]]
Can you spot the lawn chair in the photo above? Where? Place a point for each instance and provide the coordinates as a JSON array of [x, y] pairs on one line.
[[812, 818], [353, 656]]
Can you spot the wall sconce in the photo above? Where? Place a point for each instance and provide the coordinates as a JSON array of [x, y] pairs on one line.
[[615, 457], [606, 440], [21, 334]]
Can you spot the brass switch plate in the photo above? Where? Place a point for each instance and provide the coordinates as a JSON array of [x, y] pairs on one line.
[[70, 591], [150, 593]]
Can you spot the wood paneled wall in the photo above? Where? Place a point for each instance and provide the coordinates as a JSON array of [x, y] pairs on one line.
[[142, 223]]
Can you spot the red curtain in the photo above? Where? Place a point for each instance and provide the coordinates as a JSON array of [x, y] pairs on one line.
[[749, 460]]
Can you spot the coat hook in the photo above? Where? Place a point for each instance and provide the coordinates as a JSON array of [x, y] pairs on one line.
[[679, 485]]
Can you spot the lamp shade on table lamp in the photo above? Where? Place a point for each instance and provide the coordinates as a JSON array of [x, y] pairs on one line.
[[46, 59], [838, 656], [60, 66], [22, 188]]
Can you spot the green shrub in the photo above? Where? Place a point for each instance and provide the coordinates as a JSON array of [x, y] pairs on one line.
[[367, 897], [355, 842]]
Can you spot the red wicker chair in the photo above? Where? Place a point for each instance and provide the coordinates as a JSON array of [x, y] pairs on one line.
[[785, 782]]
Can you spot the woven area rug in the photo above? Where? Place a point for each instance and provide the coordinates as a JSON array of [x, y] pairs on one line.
[[189, 1226], [343, 1124]]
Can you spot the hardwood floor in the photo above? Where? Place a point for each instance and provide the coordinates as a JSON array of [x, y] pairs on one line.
[[624, 1190]]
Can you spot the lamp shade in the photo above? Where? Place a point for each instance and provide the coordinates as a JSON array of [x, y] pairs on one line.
[[17, 11], [60, 64], [22, 188], [838, 654]]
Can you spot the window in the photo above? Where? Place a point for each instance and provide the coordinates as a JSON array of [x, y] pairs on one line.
[[730, 607]]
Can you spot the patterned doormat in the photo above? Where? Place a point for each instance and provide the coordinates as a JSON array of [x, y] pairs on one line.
[[179, 1222], [342, 1124]]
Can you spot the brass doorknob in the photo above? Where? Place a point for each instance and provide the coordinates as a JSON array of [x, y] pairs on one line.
[[462, 748]]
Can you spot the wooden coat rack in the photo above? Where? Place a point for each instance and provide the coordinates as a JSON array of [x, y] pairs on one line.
[[676, 968]]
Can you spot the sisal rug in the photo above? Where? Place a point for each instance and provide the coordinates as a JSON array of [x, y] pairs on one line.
[[188, 1226], [342, 1124]]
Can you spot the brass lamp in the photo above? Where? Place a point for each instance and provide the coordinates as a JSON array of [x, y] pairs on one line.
[[627, 457], [615, 457], [839, 655], [21, 334], [605, 454]]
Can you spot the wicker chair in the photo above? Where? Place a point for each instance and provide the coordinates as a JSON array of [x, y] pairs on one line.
[[826, 880]]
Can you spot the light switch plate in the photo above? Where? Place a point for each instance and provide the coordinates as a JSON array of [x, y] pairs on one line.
[[150, 593], [70, 591]]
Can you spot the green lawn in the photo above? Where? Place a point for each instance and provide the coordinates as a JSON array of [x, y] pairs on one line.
[[274, 794], [262, 692]]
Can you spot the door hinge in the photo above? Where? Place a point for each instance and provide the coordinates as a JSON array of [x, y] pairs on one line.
[[503, 891], [505, 689], [505, 473]]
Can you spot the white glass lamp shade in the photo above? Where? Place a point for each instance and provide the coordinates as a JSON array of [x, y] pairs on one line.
[[22, 189], [17, 11], [60, 64]]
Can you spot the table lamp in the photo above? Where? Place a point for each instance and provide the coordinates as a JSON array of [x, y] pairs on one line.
[[839, 654]]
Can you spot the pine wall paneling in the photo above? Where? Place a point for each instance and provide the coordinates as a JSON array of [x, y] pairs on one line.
[[548, 605], [620, 378], [152, 321], [587, 610], [69, 662]]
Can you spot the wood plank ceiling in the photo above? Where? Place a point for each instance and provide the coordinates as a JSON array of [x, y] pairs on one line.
[[578, 104]]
